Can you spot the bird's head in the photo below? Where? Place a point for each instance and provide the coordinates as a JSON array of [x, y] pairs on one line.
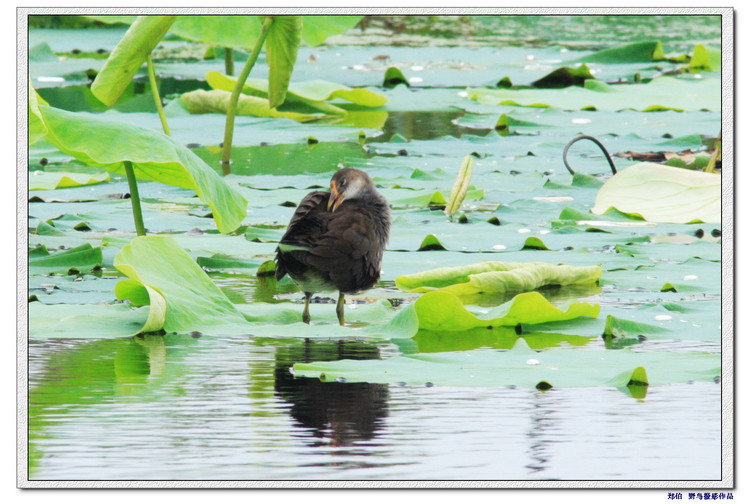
[[346, 184]]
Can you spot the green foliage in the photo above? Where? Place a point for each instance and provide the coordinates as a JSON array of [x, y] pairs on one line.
[[631, 53], [660, 193], [217, 101], [522, 367], [314, 94], [107, 144], [282, 43], [497, 276], [460, 187], [57, 180], [181, 296], [128, 57]]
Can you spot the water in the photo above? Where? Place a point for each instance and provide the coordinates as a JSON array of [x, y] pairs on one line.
[[176, 407]]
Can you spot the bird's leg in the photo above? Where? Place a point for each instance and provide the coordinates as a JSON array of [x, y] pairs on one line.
[[340, 308], [306, 311]]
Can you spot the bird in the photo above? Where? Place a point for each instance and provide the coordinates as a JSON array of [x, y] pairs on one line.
[[335, 240]]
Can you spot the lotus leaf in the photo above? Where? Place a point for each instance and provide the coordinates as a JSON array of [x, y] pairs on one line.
[[201, 101], [497, 276], [282, 43], [522, 367], [128, 57], [55, 180], [660, 193], [443, 311], [107, 144], [182, 297]]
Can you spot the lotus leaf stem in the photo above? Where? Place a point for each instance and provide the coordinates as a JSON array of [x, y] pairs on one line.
[[135, 200], [228, 61], [226, 154], [155, 94]]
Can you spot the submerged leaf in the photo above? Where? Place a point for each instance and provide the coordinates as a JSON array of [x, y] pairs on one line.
[[660, 193]]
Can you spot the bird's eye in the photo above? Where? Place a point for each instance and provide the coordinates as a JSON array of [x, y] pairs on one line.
[[343, 181]]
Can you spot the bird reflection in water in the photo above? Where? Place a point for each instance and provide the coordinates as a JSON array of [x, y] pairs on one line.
[[333, 413]]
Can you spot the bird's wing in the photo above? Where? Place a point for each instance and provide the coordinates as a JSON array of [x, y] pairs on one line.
[[306, 223], [305, 227], [347, 250]]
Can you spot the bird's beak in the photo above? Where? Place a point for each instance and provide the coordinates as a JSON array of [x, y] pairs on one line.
[[336, 198]]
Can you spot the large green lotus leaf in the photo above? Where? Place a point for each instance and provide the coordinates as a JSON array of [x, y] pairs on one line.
[[282, 42], [498, 276], [660, 193], [37, 128], [201, 101], [631, 53], [666, 92], [40, 181], [443, 311], [315, 29], [521, 367], [313, 93], [129, 56], [89, 321], [182, 297], [98, 141], [81, 258], [239, 32]]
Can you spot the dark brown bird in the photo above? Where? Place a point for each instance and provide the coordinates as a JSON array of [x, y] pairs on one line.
[[335, 240]]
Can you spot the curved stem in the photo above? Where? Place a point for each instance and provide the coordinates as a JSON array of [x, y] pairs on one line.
[[135, 200], [155, 94], [226, 154], [228, 61], [597, 142]]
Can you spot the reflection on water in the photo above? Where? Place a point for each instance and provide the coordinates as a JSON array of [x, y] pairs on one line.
[[336, 414], [543, 421], [179, 407], [426, 125]]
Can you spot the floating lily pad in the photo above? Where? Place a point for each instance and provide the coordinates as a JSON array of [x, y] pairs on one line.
[[57, 180], [661, 193], [522, 367]]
